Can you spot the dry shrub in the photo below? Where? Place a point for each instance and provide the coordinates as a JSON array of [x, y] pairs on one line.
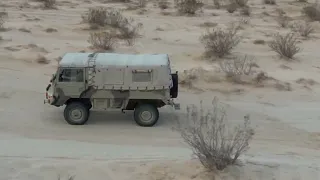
[[272, 2], [102, 40], [104, 16], [312, 11], [142, 3], [130, 32], [232, 7], [214, 143], [259, 41], [219, 42], [24, 30], [188, 6], [304, 29], [101, 16], [285, 45], [246, 11], [42, 60], [217, 3], [282, 19], [240, 3], [163, 4], [188, 77], [236, 67], [49, 4], [96, 15], [3, 16], [51, 30]]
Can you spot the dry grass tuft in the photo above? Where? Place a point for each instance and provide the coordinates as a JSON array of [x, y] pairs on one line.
[[285, 45], [212, 140], [219, 42], [188, 6]]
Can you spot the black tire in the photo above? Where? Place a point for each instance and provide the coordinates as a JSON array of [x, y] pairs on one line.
[[174, 89], [148, 108], [82, 108]]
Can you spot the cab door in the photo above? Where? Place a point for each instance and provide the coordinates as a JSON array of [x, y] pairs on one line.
[[71, 81]]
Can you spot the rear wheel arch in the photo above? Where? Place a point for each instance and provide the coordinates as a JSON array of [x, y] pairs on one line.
[[133, 103]]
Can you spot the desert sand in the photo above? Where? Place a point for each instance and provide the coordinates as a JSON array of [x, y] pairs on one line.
[[36, 142]]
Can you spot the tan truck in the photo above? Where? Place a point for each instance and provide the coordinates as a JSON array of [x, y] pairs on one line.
[[108, 81]]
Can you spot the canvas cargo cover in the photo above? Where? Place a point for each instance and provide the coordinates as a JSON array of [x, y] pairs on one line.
[[125, 71], [114, 59]]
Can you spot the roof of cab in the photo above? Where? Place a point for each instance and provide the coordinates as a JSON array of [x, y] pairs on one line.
[[114, 59]]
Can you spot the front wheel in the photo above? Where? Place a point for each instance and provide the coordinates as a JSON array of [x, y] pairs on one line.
[[146, 115], [76, 113]]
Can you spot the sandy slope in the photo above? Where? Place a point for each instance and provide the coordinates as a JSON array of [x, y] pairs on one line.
[[36, 143]]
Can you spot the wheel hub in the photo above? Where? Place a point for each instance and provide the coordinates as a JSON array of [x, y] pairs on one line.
[[146, 116], [76, 114]]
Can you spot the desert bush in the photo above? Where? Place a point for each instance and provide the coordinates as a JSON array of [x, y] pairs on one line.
[[142, 3], [235, 67], [3, 16], [312, 11], [217, 3], [232, 7], [130, 32], [96, 15], [240, 3], [272, 2], [213, 142], [49, 4], [188, 6], [103, 40], [220, 42], [246, 11], [104, 16], [259, 41], [285, 45], [304, 29], [163, 4], [282, 19]]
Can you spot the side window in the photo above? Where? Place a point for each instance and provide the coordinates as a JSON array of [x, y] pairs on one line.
[[142, 76], [71, 75]]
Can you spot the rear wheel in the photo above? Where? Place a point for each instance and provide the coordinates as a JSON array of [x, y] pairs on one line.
[[76, 113], [146, 115]]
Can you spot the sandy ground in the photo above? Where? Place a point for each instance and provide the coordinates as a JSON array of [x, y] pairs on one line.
[[36, 143]]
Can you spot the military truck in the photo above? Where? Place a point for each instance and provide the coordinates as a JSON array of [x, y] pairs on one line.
[[110, 81]]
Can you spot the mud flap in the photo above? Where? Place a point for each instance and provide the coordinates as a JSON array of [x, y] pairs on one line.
[[174, 89]]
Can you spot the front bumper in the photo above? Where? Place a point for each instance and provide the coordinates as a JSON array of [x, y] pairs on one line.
[[175, 105]]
